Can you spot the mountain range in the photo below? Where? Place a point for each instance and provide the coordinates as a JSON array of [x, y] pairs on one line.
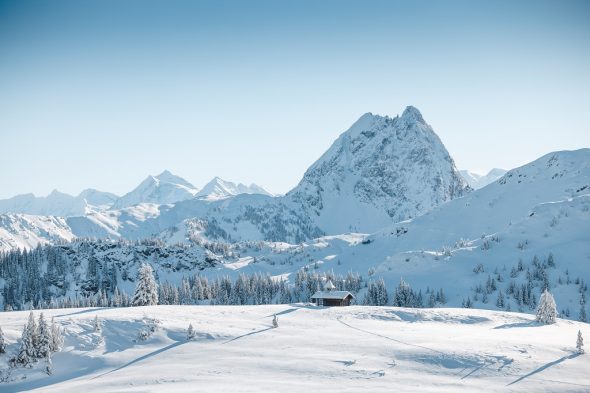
[[384, 200], [165, 188]]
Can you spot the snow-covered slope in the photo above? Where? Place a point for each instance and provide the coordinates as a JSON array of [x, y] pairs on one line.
[[165, 188], [58, 203], [556, 176], [477, 181], [23, 231], [382, 170], [218, 189], [356, 349]]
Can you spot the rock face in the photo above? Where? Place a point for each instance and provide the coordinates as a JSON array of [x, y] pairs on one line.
[[380, 171]]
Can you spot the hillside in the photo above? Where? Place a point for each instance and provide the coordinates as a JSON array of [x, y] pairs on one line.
[[333, 350]]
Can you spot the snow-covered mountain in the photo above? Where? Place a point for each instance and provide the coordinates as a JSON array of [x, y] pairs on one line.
[[24, 231], [529, 229], [381, 170], [58, 203], [218, 189], [477, 181], [164, 188]]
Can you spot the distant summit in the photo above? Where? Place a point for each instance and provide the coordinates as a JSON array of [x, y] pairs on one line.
[[381, 170], [218, 189], [58, 203], [477, 181], [165, 188]]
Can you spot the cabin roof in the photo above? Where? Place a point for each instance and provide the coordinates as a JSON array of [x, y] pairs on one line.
[[332, 295]]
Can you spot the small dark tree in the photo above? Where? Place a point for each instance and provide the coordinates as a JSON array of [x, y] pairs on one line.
[[2, 342]]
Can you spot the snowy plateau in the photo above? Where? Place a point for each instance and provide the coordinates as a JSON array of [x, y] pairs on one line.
[[446, 268], [350, 349]]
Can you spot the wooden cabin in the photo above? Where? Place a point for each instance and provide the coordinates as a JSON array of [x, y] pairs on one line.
[[331, 298]]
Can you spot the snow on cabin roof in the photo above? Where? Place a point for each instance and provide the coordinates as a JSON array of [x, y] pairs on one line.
[[331, 295]]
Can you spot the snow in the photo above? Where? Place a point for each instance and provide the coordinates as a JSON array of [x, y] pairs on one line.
[[164, 188], [477, 181], [347, 349], [381, 170], [218, 189], [58, 203], [26, 231], [330, 295]]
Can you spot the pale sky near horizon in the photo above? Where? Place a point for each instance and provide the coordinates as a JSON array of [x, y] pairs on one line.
[[102, 93]]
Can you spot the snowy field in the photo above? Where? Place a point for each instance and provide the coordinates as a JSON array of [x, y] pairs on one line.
[[349, 349]]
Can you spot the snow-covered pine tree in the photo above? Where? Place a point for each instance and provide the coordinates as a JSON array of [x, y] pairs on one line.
[[96, 324], [580, 343], [22, 357], [275, 321], [2, 342], [582, 317], [57, 339], [146, 291], [116, 299], [500, 301], [43, 346], [547, 310], [32, 336], [190, 334], [26, 352]]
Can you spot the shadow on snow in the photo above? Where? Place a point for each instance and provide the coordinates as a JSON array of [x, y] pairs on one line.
[[545, 367]]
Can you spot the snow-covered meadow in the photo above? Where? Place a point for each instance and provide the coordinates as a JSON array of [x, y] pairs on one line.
[[347, 349]]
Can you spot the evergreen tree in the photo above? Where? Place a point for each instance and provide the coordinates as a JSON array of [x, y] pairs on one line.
[[116, 299], [547, 310], [582, 317], [431, 300], [96, 324], [2, 342], [26, 352], [57, 339], [275, 321], [191, 333], [467, 303], [44, 340], [580, 343], [500, 301], [404, 296], [146, 291]]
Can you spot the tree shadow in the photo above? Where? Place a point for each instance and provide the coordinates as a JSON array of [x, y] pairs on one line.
[[85, 311], [308, 306], [544, 367], [519, 325], [144, 357], [248, 334], [287, 311]]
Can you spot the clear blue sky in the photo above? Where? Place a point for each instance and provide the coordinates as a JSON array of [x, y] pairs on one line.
[[103, 93]]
